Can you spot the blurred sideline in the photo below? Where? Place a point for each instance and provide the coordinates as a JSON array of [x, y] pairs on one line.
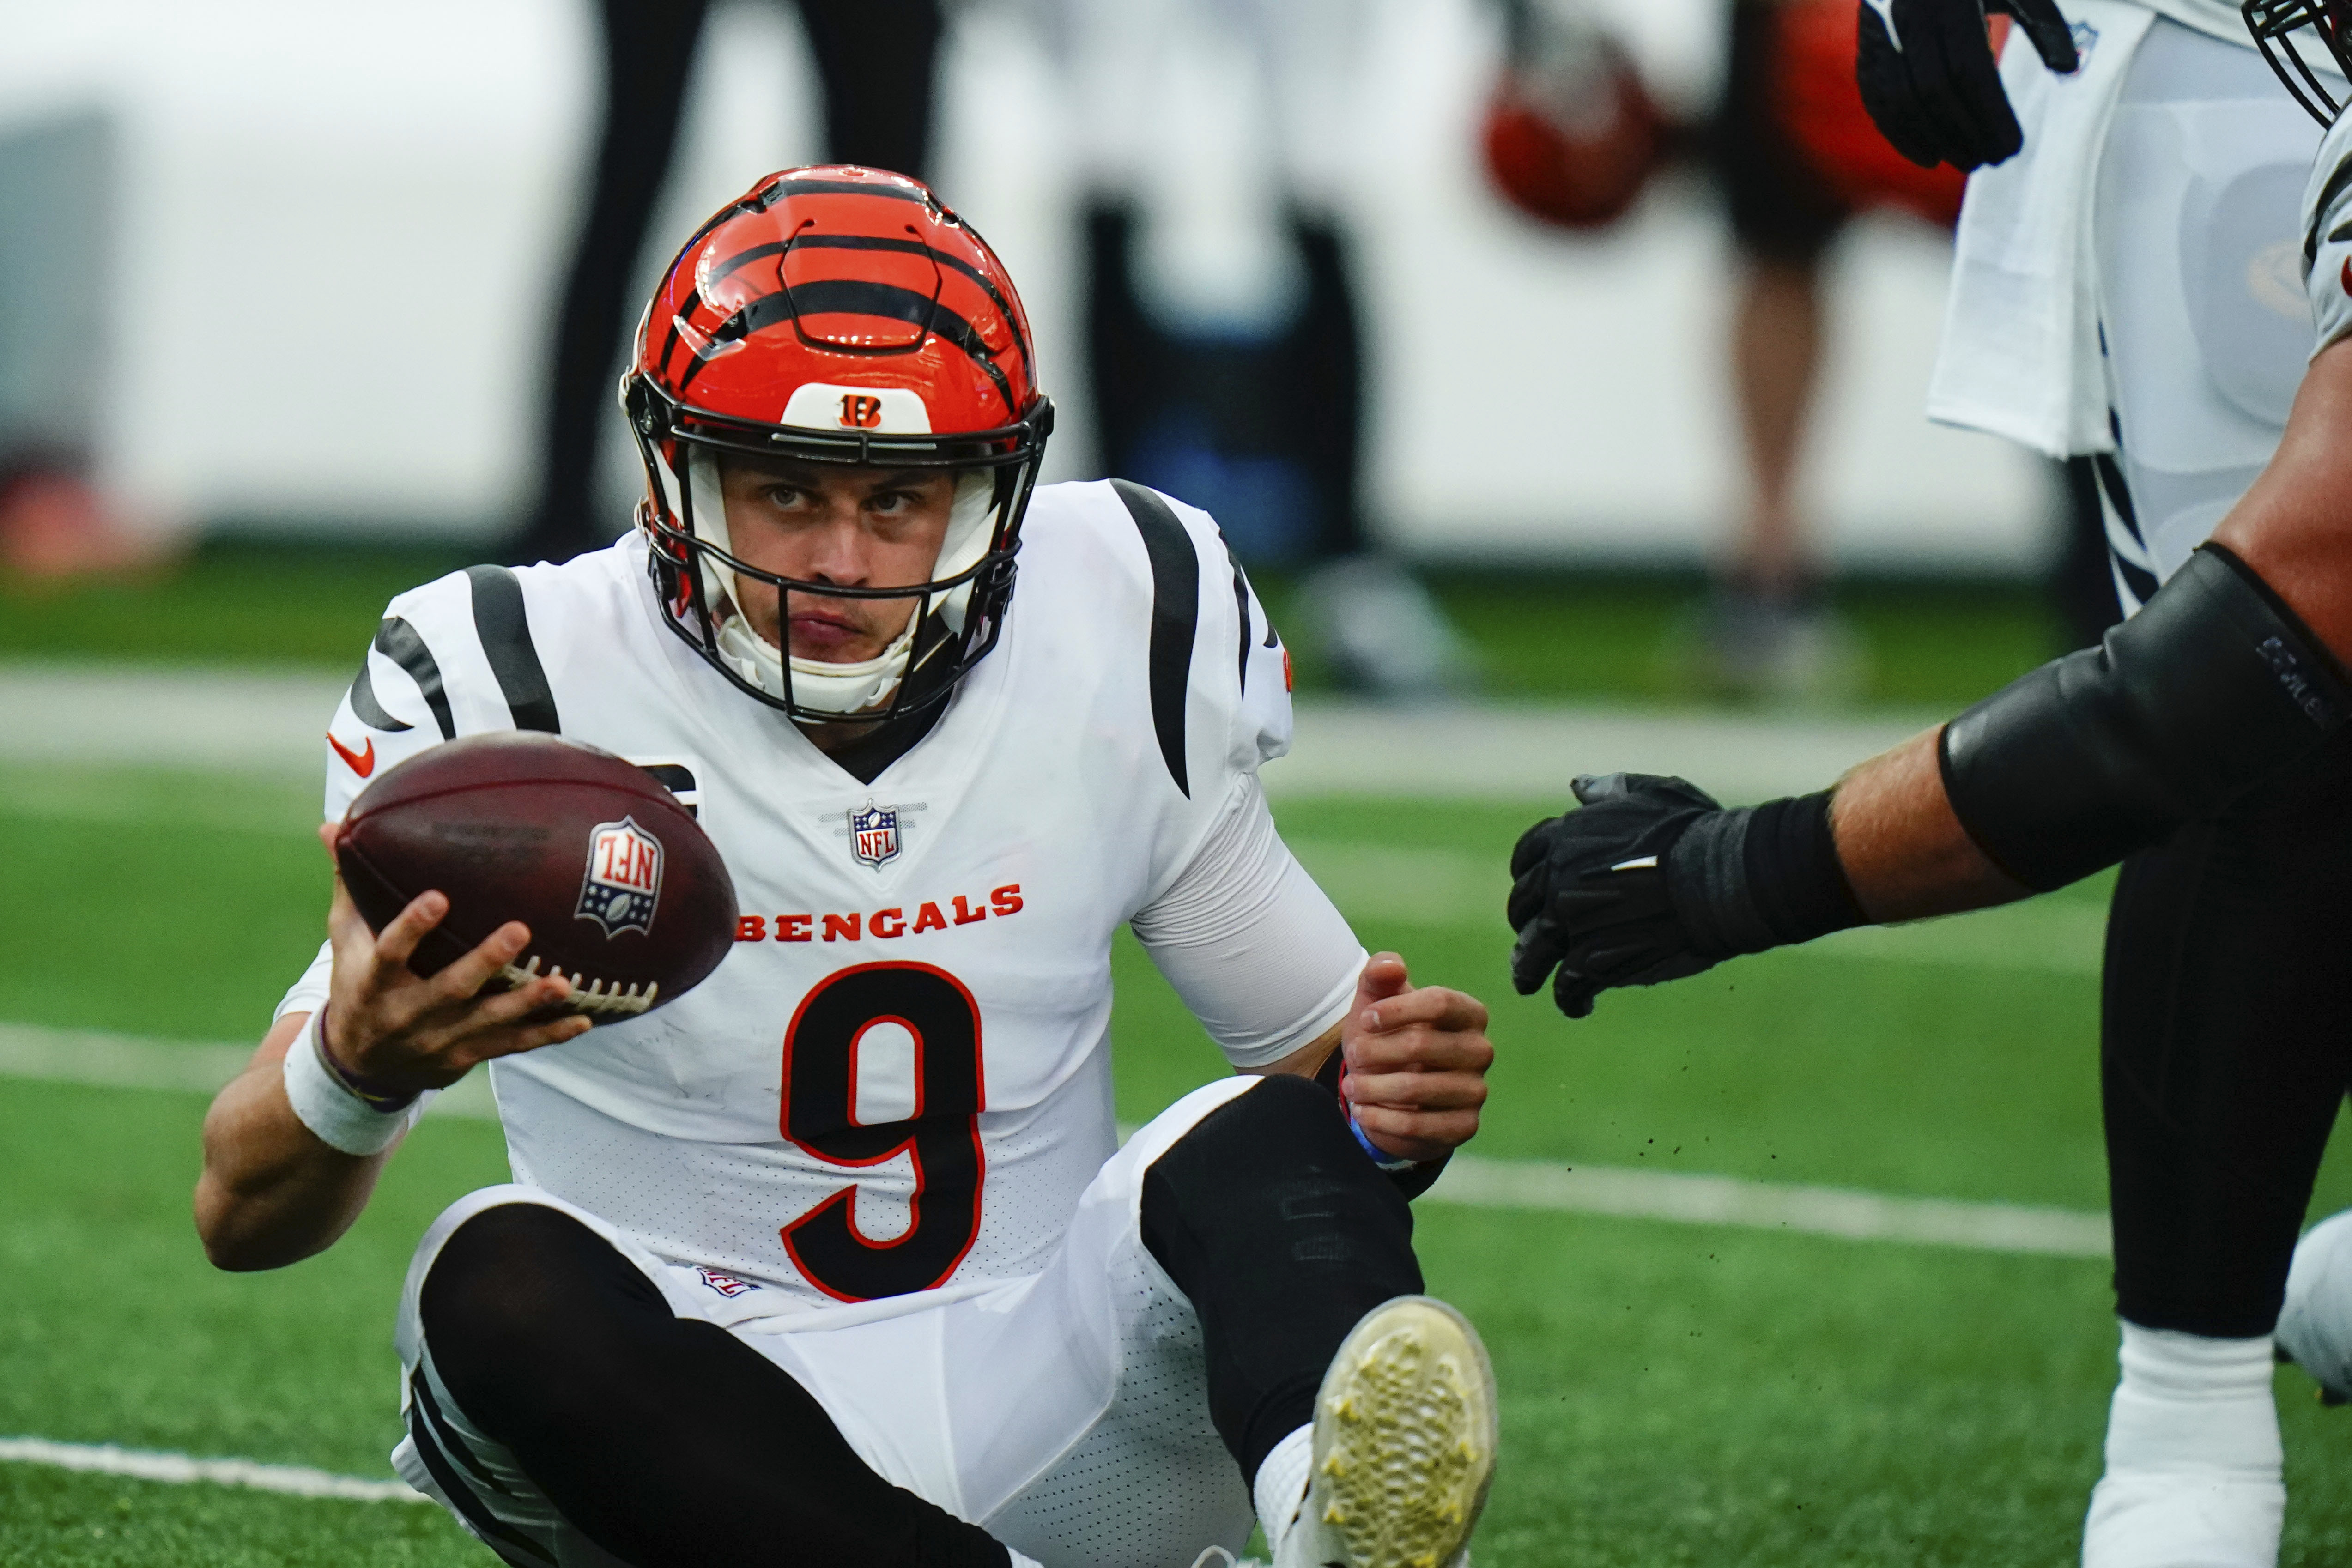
[[242, 721], [123, 1061], [1533, 397]]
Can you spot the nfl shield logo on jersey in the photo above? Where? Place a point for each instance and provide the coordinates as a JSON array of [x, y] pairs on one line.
[[874, 835], [624, 878], [726, 1285]]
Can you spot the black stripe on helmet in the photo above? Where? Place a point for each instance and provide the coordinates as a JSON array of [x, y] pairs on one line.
[[953, 263], [857, 296], [1175, 617], [504, 631]]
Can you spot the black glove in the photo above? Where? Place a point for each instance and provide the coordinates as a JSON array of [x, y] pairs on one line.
[[1654, 881], [1589, 891], [1930, 80]]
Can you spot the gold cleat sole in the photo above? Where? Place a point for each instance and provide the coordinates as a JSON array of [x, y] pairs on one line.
[[1404, 1436]]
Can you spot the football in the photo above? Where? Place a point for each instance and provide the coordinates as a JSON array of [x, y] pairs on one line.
[[622, 891]]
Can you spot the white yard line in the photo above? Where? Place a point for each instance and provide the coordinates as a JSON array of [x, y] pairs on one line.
[[1770, 1206], [147, 1465], [235, 720], [244, 721], [1529, 752], [131, 1061], [123, 1061]]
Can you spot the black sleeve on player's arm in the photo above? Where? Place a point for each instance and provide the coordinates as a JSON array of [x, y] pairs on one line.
[[2214, 685]]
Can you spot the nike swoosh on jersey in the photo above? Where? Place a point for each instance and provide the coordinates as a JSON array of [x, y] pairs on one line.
[[362, 762]]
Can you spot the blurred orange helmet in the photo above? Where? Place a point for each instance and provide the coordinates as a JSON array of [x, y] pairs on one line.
[[1821, 112], [837, 315], [1571, 135]]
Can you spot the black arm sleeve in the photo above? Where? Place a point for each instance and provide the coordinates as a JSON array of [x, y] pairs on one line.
[[2214, 685]]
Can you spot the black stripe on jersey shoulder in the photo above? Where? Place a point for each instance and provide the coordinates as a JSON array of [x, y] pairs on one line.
[[2341, 177], [1175, 617], [501, 1537], [362, 693], [1241, 608], [504, 631], [396, 640]]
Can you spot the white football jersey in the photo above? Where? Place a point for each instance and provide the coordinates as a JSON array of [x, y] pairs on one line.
[[900, 1078]]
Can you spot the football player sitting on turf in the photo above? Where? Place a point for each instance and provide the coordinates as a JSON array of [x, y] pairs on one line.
[[836, 1259]]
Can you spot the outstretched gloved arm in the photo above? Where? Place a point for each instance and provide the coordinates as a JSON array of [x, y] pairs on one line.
[[1654, 881], [2232, 672]]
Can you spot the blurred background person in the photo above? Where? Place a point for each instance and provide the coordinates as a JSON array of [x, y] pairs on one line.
[[1226, 342], [877, 66], [57, 173], [1795, 159], [1571, 137]]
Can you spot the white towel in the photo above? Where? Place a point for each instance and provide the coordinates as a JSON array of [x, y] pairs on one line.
[[2019, 355]]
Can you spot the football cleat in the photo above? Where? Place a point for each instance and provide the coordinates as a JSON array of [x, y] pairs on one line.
[[1403, 1445]]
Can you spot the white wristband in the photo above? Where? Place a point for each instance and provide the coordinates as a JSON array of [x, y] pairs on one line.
[[341, 1119]]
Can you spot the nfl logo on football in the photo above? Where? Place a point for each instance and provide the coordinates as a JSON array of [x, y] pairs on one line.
[[624, 878], [874, 835]]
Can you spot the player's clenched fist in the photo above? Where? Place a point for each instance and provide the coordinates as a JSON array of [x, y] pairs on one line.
[[1416, 1062], [397, 1032]]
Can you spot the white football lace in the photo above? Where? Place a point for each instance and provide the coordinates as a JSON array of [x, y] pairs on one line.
[[589, 995]]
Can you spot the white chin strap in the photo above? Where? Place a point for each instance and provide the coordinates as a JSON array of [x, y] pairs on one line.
[[843, 688]]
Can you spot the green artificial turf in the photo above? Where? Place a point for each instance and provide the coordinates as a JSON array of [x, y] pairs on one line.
[[1673, 1393], [229, 602], [56, 1519]]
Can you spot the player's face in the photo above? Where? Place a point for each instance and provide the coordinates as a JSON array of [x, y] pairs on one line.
[[856, 527]]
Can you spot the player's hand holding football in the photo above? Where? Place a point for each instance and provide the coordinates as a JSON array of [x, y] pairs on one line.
[[1417, 1059], [1930, 82], [398, 1032]]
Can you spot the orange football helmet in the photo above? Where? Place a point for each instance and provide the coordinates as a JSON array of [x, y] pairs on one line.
[[837, 315]]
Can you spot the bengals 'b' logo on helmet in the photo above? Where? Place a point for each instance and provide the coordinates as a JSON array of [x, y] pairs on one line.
[[860, 412]]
